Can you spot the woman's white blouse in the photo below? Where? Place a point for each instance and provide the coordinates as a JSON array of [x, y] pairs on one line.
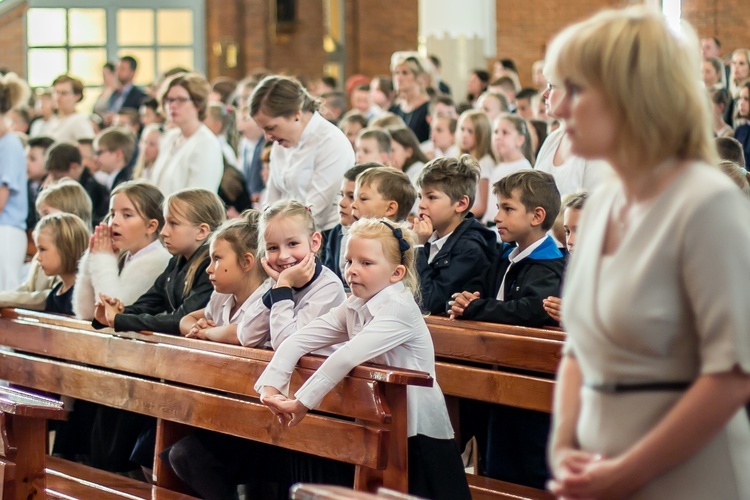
[[387, 329]]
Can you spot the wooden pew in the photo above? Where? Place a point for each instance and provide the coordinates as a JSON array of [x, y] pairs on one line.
[[23, 442], [186, 382], [482, 361]]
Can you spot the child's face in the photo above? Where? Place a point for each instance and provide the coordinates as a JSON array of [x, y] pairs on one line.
[[108, 160], [35, 164], [47, 254], [490, 106], [247, 126], [352, 130], [148, 116], [570, 225], [441, 135], [150, 146], [465, 136], [369, 203], [345, 204], [507, 140], [288, 242], [399, 155], [744, 102], [367, 270], [512, 219], [361, 101], [88, 158], [181, 237], [224, 271], [438, 207], [442, 110], [367, 150], [523, 109], [130, 231]]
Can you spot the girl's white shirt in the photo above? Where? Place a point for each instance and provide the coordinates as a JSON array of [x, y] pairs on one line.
[[288, 316], [388, 329], [576, 173], [252, 313], [195, 163], [311, 170], [99, 273], [497, 172]]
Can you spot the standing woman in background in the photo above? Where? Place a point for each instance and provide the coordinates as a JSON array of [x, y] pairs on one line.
[[13, 189], [650, 392], [309, 154], [189, 155], [412, 101]]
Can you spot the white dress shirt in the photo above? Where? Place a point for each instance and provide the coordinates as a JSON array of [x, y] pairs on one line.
[[311, 170], [387, 329], [252, 314]]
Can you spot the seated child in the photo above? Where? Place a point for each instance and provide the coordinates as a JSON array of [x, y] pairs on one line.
[[443, 136], [113, 152], [571, 214], [337, 238], [457, 247], [383, 192], [379, 322], [512, 292], [183, 287], [67, 196], [239, 284], [125, 256], [373, 145], [303, 288], [513, 289], [60, 240], [730, 149], [64, 160], [351, 124]]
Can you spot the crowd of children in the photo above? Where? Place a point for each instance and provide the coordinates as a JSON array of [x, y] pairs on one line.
[[445, 208]]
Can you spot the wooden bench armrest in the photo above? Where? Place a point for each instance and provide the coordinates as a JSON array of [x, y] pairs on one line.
[[25, 404], [486, 488], [543, 333]]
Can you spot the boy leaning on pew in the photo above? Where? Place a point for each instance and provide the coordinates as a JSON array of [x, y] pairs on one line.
[[512, 292]]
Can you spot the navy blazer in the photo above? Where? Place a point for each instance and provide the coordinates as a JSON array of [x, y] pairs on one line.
[[333, 251]]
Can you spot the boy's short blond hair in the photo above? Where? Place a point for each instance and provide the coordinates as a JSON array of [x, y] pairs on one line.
[[536, 189], [454, 177], [381, 137], [393, 185], [116, 139]]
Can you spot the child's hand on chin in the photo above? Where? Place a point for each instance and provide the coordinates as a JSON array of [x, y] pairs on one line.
[[299, 274]]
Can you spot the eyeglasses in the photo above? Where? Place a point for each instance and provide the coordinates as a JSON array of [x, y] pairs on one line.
[[168, 101], [99, 152], [550, 87]]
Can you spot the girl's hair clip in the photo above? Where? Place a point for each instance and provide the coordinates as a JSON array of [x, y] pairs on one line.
[[309, 210], [403, 245], [266, 207]]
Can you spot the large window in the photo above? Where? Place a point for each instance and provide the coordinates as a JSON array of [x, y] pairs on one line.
[[82, 36]]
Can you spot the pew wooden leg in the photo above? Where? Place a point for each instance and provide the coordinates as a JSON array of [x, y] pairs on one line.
[[395, 476], [29, 439], [167, 434]]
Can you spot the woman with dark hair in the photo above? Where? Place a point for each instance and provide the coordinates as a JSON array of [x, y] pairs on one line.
[[189, 155]]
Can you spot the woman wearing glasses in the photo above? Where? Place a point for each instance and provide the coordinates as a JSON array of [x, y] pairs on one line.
[[572, 173], [189, 155]]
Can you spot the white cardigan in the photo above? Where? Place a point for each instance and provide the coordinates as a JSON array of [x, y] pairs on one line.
[[98, 273]]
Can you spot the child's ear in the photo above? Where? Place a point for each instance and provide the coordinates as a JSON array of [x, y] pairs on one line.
[[398, 274], [315, 241], [462, 205], [204, 231], [538, 216], [152, 226], [247, 262], [391, 210]]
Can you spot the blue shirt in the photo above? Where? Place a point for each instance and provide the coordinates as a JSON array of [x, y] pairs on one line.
[[13, 175]]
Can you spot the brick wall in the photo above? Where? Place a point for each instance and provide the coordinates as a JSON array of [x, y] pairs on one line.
[[12, 34], [725, 19]]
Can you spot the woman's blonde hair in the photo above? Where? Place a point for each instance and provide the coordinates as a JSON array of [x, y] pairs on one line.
[[196, 206], [281, 96], [71, 236], [67, 196], [482, 133], [650, 77], [734, 85], [242, 234], [13, 92], [285, 208], [140, 162], [387, 232]]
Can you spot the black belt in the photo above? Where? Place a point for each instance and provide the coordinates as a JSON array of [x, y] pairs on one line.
[[615, 388]]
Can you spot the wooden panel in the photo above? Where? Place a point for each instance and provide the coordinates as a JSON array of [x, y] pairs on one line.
[[15, 402], [7, 479], [511, 350], [509, 389], [491, 489], [338, 440], [540, 333], [353, 397], [30, 439], [79, 481]]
